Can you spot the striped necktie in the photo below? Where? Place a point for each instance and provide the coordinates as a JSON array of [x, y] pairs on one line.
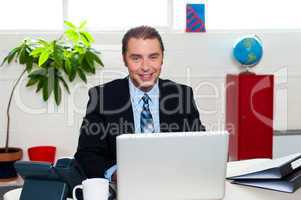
[[146, 119]]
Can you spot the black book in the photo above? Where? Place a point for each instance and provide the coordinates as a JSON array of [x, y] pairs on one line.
[[282, 174]]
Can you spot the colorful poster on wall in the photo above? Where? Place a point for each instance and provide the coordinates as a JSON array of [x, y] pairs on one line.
[[195, 18]]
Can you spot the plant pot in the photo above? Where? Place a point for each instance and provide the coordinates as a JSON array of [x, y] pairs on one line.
[[7, 161], [42, 153]]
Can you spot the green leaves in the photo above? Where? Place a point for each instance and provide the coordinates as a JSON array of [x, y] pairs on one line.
[[43, 57], [10, 55], [83, 25], [58, 55], [72, 35], [64, 84], [43, 50], [38, 77], [50, 63], [78, 35], [70, 25], [95, 57], [81, 74], [49, 81], [57, 92], [37, 51], [29, 64], [21, 54]]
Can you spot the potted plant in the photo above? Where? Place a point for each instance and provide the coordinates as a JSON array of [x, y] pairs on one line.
[[49, 65]]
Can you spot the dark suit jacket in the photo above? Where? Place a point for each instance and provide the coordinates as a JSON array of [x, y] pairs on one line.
[[109, 114]]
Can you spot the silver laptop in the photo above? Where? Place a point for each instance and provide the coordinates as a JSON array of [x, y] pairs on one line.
[[172, 166]]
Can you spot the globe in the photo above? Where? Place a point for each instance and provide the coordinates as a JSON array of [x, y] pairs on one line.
[[247, 51]]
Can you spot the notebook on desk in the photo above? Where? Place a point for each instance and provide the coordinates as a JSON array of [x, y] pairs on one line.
[[171, 166]]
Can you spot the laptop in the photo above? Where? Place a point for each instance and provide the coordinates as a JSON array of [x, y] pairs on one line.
[[172, 166]]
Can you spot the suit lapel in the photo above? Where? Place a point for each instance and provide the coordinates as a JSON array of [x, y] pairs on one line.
[[125, 100], [162, 114], [170, 100]]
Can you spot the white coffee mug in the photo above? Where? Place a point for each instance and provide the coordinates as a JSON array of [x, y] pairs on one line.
[[93, 189]]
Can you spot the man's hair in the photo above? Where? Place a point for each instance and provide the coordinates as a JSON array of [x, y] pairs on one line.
[[141, 32]]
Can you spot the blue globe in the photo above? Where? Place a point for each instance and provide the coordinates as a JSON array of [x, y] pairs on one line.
[[248, 51]]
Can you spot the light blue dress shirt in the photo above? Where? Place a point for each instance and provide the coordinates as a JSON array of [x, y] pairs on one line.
[[137, 104], [136, 99]]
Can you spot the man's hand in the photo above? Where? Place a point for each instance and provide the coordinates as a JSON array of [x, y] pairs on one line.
[[114, 177]]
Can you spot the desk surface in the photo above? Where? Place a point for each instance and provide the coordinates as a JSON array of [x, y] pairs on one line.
[[232, 192]]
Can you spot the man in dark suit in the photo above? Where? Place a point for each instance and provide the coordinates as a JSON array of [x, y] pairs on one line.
[[139, 103]]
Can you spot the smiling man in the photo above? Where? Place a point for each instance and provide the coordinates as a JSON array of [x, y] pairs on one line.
[[144, 58], [139, 103]]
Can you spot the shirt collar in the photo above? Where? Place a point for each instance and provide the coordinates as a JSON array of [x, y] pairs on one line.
[[137, 94]]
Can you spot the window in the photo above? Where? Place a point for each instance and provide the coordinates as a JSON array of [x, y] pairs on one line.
[[254, 14], [246, 14], [122, 14], [31, 14], [116, 15]]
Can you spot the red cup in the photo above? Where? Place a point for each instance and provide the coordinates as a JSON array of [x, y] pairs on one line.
[[42, 153]]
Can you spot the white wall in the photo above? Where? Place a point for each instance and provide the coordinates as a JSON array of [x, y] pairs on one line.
[[199, 60]]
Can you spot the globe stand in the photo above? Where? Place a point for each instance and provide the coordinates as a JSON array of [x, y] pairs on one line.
[[246, 70]]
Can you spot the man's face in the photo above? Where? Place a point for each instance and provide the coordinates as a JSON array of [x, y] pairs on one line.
[[144, 59]]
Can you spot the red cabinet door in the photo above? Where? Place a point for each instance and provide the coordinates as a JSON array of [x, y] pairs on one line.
[[249, 115]]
